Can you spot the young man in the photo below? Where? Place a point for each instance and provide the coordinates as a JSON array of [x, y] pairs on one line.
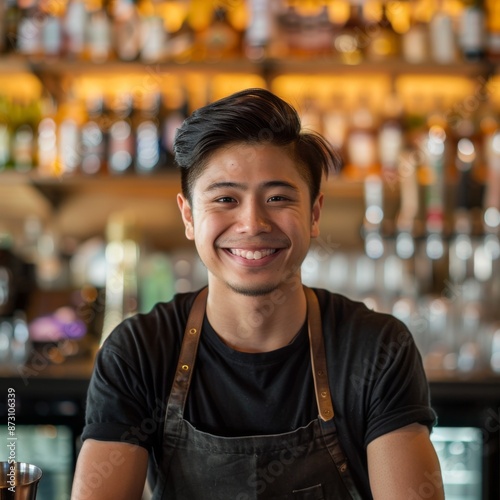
[[269, 389]]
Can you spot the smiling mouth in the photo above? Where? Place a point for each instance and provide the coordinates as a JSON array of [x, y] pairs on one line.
[[252, 254]]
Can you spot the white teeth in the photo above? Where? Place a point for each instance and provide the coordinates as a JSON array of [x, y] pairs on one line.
[[249, 255]]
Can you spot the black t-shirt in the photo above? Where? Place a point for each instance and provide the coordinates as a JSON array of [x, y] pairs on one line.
[[375, 373]]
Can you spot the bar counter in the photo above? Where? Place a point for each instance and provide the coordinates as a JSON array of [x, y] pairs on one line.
[[55, 394]]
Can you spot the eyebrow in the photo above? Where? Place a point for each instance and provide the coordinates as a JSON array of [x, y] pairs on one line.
[[243, 187]]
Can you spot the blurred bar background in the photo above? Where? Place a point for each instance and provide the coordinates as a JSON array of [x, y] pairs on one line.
[[91, 93]]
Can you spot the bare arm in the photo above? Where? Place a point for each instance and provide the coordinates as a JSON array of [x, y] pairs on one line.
[[404, 464], [110, 470]]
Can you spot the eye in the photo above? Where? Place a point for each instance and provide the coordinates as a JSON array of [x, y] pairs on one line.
[[225, 199], [278, 198]]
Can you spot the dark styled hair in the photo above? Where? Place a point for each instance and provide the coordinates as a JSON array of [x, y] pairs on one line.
[[251, 116]]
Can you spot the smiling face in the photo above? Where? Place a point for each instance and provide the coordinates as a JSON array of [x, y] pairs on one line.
[[251, 218]]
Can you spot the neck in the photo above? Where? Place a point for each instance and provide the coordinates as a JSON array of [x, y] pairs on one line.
[[257, 324]]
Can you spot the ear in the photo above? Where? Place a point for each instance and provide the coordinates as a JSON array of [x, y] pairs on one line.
[[315, 215], [187, 216]]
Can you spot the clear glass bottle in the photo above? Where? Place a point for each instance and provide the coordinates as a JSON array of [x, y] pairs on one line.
[[148, 158], [121, 140], [74, 29], [415, 41], [99, 36], [29, 30], [391, 137], [443, 47], [260, 29], [69, 150], [472, 31], [93, 137], [361, 142], [126, 30]]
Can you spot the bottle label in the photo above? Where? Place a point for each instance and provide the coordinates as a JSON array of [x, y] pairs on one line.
[[361, 149], [472, 30], [121, 147]]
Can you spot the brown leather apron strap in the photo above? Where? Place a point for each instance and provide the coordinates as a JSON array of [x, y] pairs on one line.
[[188, 352], [318, 357], [189, 348]]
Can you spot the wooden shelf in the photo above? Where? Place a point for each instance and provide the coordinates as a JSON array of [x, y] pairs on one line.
[[391, 67], [159, 185], [318, 65], [119, 67]]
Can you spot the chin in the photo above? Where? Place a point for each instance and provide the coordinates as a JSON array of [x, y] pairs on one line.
[[253, 290]]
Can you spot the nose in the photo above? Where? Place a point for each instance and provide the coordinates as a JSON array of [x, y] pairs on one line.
[[253, 219]]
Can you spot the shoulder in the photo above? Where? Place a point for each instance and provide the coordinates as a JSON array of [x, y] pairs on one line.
[[154, 332], [362, 341], [346, 318]]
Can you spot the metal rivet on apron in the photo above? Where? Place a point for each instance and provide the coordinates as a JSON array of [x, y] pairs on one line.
[[343, 467], [323, 394], [320, 372], [327, 412], [185, 367], [192, 331]]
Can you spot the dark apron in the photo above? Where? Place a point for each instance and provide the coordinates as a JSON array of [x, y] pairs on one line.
[[306, 463]]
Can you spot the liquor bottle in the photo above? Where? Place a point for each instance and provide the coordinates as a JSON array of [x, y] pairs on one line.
[[309, 30], [415, 41], [69, 148], [415, 125], [93, 137], [220, 40], [335, 123], [51, 20], [189, 44], [10, 272], [408, 212], [374, 216], [352, 40], [47, 138], [23, 137], [99, 36], [466, 156], [3, 38], [310, 114], [472, 31], [361, 143], [11, 18], [29, 30], [153, 39], [148, 157], [493, 29], [74, 29], [487, 265], [52, 36], [390, 138], [121, 140], [174, 110], [442, 37], [384, 43], [467, 164], [122, 259], [5, 133], [260, 29], [436, 150], [126, 30]]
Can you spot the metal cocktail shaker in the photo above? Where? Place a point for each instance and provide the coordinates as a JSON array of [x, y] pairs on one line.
[[19, 481]]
